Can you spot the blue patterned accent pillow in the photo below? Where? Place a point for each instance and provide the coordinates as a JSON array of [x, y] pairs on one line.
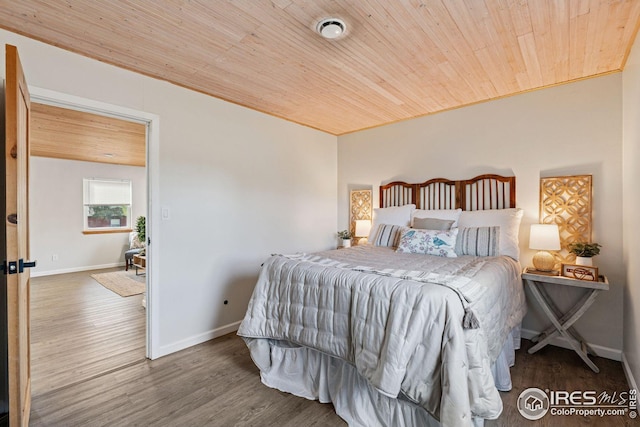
[[429, 242]]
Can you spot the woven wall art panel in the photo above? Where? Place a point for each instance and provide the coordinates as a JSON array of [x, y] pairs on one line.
[[360, 205], [566, 201]]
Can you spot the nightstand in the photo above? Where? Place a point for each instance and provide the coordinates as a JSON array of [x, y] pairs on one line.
[[561, 323]]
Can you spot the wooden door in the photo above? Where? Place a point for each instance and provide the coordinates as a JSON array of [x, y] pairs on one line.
[[17, 114]]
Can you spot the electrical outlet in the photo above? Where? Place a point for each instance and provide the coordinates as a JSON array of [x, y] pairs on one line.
[[54, 257]]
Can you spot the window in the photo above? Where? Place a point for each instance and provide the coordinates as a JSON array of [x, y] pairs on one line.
[[107, 204]]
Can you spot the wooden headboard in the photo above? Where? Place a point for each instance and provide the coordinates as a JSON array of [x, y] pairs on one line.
[[479, 193]]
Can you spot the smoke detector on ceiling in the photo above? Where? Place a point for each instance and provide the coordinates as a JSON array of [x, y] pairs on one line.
[[331, 28]]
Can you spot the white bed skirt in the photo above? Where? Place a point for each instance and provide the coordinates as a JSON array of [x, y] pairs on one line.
[[313, 375]]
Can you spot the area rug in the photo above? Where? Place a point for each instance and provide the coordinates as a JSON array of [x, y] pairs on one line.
[[124, 283]]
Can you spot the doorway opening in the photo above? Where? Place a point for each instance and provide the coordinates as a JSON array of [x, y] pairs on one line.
[[79, 284]]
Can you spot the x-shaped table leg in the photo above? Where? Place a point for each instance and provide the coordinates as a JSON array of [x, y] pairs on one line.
[[563, 325]]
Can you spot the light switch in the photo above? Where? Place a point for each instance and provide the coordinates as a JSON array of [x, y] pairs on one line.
[[166, 214]]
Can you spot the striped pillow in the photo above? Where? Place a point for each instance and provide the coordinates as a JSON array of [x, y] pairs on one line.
[[388, 235], [479, 241]]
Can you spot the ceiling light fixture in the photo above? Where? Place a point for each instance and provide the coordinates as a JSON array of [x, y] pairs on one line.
[[331, 28]]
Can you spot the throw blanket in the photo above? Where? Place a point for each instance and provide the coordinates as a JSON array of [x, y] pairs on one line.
[[458, 283], [406, 337]]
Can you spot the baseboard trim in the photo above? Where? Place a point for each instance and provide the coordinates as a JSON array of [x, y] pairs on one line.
[[601, 351], [633, 385], [197, 339], [75, 269]]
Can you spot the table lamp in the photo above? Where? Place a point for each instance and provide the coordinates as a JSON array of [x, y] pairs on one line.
[[544, 237], [363, 227]]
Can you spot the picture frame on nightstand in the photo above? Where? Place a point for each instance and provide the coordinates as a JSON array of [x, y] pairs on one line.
[[581, 272]]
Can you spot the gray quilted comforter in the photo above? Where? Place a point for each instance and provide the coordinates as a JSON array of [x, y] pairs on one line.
[[400, 319]]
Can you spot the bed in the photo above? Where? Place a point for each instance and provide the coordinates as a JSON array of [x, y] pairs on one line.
[[418, 327]]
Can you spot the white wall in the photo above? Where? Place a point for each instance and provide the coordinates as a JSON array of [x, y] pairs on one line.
[[565, 130], [239, 185], [56, 215], [631, 203]]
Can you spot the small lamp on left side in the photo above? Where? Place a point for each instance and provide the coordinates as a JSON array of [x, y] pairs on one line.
[[544, 237], [363, 227]]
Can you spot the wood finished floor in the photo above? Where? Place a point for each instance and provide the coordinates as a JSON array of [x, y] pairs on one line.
[[557, 368], [80, 329], [217, 384]]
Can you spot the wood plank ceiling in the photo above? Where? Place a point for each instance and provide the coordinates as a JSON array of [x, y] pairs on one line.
[[68, 134], [397, 59]]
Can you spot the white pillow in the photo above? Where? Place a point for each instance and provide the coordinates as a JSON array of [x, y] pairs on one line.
[[429, 242], [397, 215], [450, 214], [507, 219]]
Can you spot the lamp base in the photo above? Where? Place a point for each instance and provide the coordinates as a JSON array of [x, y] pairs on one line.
[[544, 261]]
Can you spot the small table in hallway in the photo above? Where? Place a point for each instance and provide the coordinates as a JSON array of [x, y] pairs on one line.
[[140, 263]]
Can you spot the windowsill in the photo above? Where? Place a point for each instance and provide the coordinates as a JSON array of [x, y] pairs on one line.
[[108, 231]]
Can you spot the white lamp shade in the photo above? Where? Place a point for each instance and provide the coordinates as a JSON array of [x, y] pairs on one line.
[[363, 227], [544, 237]]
